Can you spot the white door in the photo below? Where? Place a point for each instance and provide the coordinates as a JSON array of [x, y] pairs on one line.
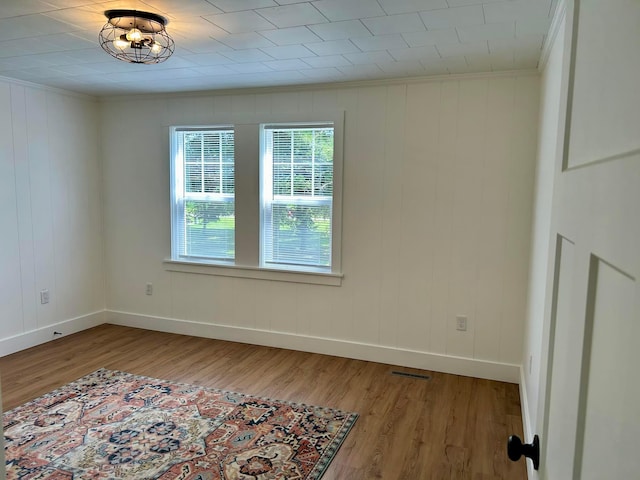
[[590, 426]]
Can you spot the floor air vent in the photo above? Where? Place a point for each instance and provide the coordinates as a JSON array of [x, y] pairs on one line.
[[411, 375]]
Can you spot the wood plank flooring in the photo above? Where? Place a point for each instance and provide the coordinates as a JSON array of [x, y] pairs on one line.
[[448, 427]]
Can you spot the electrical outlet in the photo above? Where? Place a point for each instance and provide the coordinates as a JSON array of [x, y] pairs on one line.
[[461, 323], [44, 296], [149, 290]]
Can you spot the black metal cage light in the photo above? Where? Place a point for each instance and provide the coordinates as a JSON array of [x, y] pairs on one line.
[[136, 37]]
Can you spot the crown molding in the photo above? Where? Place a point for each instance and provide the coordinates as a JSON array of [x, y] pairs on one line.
[[324, 86], [46, 88]]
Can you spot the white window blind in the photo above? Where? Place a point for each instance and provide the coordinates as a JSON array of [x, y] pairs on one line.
[[297, 195], [203, 193]]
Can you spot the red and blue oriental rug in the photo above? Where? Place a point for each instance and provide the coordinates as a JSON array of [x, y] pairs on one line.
[[112, 424]]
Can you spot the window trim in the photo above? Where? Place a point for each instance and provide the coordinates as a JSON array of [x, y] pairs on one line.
[[248, 140], [256, 273]]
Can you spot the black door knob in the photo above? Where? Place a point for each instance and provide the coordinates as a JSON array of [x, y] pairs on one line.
[[516, 449]]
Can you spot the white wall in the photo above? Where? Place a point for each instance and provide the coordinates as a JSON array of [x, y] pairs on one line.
[[50, 214], [542, 249], [438, 182]]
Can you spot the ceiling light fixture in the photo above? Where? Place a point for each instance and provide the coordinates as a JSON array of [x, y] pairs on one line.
[[136, 37]]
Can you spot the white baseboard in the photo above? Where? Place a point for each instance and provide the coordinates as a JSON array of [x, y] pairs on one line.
[[340, 348], [526, 419], [45, 334]]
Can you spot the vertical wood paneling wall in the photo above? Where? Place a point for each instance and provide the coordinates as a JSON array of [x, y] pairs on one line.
[[437, 210], [50, 211]]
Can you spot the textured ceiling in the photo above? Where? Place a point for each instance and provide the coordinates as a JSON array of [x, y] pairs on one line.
[[223, 44]]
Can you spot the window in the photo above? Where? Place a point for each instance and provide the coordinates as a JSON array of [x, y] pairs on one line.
[[259, 198], [203, 219], [297, 192]]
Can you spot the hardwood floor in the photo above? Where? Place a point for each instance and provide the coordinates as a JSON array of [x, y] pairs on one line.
[[448, 427]]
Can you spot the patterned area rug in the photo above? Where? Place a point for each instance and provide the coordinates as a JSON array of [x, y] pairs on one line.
[[112, 424]]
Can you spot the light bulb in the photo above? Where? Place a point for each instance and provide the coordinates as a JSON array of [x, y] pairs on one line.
[[156, 47], [134, 35], [120, 43]]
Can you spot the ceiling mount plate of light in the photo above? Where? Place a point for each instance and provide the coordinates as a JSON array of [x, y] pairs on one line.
[[136, 37]]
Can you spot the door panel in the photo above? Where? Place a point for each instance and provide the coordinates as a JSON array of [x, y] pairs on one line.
[[603, 122], [607, 447]]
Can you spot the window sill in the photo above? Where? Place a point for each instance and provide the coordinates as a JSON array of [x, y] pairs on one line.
[[238, 271]]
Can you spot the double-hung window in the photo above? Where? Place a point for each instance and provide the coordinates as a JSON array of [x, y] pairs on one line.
[[203, 193], [297, 195], [259, 197]]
